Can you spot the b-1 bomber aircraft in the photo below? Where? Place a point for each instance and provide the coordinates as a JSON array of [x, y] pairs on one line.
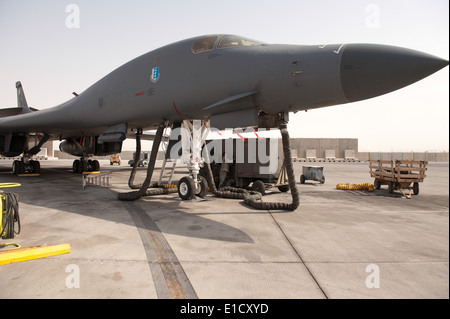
[[222, 81]]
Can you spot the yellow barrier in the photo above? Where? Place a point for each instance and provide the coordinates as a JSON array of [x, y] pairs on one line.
[[23, 254], [365, 187]]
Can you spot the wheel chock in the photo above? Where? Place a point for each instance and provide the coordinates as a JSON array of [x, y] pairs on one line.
[[23, 254]]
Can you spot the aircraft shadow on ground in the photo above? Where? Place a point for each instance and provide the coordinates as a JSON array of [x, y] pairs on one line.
[[62, 191]]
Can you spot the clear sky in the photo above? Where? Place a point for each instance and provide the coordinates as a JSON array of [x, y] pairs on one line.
[[42, 46]]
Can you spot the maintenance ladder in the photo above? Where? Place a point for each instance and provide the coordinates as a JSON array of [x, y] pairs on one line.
[[96, 179]]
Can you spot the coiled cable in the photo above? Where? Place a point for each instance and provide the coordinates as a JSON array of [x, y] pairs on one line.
[[144, 187], [253, 198], [11, 217]]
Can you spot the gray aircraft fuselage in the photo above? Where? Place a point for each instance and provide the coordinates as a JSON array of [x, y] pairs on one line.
[[205, 77]]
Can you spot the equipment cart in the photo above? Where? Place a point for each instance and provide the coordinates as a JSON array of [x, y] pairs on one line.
[[314, 173], [260, 173], [398, 175]]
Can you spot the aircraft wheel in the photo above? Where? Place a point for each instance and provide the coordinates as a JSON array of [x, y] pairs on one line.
[[84, 166], [283, 188], [14, 167], [203, 187], [21, 166], [76, 166], [36, 167], [186, 188], [96, 165], [17, 167]]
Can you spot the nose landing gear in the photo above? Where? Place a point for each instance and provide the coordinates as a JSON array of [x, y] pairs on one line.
[[187, 188]]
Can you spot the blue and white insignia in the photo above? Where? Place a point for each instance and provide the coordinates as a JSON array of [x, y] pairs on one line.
[[155, 74]]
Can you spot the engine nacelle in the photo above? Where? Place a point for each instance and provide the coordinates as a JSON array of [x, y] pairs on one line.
[[90, 146], [71, 148]]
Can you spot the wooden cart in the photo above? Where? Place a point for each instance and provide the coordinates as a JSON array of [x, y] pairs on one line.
[[398, 175]]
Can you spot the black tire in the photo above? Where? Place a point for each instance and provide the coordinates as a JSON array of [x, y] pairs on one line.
[[36, 167], [186, 188], [377, 184], [76, 166], [416, 188], [95, 165], [391, 187], [16, 168], [84, 166], [21, 167], [283, 188], [322, 181], [203, 187], [259, 187], [302, 179]]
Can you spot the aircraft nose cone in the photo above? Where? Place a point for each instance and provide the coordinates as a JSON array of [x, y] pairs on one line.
[[369, 70]]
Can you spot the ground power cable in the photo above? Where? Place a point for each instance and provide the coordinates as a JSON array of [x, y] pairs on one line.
[[11, 217], [144, 187]]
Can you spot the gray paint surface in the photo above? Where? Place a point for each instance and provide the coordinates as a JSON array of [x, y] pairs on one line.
[[270, 78]]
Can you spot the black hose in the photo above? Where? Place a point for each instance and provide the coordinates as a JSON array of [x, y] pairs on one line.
[[291, 179], [143, 190], [137, 157], [11, 217], [253, 198]]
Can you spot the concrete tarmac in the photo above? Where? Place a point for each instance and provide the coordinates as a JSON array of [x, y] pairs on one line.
[[337, 244]]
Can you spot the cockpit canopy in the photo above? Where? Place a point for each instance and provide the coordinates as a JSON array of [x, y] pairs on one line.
[[226, 41]]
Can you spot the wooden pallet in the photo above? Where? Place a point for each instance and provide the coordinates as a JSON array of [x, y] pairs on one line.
[[398, 171]]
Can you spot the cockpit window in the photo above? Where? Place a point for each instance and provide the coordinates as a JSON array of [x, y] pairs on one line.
[[229, 41], [204, 44]]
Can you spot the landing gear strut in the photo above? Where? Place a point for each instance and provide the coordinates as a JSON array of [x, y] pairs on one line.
[[193, 136], [26, 166]]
